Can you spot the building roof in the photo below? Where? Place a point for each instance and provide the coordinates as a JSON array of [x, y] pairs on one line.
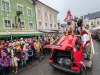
[[93, 15], [48, 6], [43, 4]]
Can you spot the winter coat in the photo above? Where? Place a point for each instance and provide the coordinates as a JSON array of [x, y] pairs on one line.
[[37, 46], [22, 55], [15, 53], [5, 62], [79, 23]]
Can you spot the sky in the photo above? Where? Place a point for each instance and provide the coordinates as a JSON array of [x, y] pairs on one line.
[[77, 7]]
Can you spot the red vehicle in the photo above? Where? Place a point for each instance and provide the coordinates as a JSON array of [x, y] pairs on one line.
[[67, 55]]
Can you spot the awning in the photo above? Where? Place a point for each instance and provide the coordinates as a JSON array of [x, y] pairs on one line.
[[20, 34], [48, 31], [4, 35]]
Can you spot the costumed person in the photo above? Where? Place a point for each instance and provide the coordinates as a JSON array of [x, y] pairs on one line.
[[13, 54], [86, 42], [69, 19]]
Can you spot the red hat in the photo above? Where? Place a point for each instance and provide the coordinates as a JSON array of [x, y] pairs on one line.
[[83, 32], [69, 11]]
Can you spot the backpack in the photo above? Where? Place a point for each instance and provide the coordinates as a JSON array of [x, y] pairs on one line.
[[30, 52]]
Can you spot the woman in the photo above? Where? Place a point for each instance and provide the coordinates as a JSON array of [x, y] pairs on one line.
[[86, 42], [69, 19], [5, 62], [25, 49]]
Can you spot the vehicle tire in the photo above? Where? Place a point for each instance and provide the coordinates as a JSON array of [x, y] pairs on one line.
[[67, 62]]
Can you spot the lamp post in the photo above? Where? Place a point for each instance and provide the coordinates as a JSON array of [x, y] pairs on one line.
[[34, 3]]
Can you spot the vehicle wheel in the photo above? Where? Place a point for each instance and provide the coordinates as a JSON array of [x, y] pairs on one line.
[[60, 60], [81, 71], [67, 62]]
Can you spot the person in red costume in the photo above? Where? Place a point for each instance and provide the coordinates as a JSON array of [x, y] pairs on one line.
[[69, 19], [86, 42]]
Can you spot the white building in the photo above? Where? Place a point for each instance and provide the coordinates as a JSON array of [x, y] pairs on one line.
[[46, 17]]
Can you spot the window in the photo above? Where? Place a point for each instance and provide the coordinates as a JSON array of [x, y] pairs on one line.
[[45, 14], [54, 17], [50, 16], [98, 22], [40, 23], [22, 24], [31, 25], [91, 23], [39, 12], [46, 24], [7, 23], [5, 5], [20, 8], [29, 12], [55, 25], [50, 25]]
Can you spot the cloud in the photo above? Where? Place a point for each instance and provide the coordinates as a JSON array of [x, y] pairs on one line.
[[77, 7]]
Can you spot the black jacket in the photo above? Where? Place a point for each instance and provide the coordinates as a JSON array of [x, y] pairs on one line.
[[79, 23], [15, 53]]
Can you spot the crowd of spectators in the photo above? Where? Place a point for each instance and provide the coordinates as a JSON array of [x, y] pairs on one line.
[[20, 51]]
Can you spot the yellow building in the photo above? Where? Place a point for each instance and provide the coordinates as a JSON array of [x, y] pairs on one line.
[[93, 19]]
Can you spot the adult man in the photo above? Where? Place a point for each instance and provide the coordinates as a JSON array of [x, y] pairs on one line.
[[79, 24]]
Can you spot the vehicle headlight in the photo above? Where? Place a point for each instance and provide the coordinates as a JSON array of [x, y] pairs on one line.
[[60, 60], [67, 62]]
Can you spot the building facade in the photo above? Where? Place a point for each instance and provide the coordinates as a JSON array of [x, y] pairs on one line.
[[46, 17], [93, 19], [17, 17]]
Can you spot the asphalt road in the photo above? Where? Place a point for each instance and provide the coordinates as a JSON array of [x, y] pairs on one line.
[[43, 67]]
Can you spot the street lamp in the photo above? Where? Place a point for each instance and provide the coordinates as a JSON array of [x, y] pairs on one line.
[[34, 3]]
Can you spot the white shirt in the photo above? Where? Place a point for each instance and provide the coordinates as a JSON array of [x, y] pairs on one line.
[[85, 38], [12, 53]]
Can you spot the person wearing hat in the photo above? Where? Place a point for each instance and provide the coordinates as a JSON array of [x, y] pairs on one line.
[[69, 19], [5, 63], [13, 54]]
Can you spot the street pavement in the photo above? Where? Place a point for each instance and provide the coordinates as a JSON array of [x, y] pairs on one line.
[[43, 67]]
